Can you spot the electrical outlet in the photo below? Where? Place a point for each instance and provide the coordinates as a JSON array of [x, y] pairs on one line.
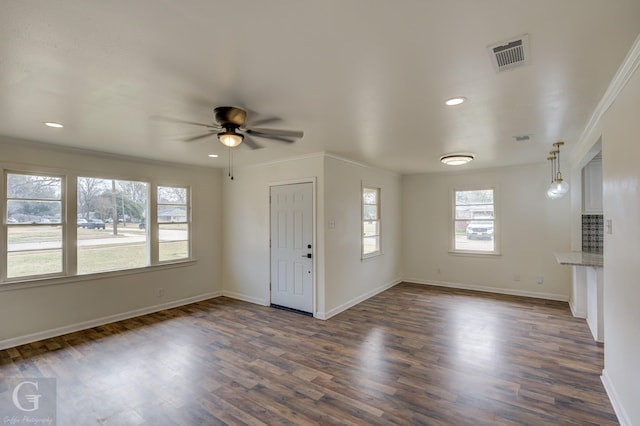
[[160, 292], [516, 277], [539, 280]]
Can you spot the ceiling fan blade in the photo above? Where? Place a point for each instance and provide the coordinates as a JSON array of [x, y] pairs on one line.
[[275, 138], [265, 133], [251, 143], [263, 121], [195, 138], [177, 120]]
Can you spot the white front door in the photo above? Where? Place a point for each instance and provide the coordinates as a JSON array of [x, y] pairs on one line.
[[292, 246]]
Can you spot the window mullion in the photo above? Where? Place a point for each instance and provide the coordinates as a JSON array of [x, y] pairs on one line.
[[152, 227], [70, 234], [4, 250]]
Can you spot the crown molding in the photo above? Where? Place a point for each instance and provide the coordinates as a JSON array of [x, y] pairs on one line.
[[591, 135]]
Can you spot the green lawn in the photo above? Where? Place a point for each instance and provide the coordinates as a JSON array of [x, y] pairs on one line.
[[33, 234], [91, 258]]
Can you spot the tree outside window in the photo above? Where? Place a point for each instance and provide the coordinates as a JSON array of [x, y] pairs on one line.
[[110, 234], [34, 220]]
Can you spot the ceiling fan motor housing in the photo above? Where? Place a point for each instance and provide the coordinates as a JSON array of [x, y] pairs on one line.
[[230, 117]]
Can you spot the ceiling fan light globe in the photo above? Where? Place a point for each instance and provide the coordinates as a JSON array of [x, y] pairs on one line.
[[230, 139]]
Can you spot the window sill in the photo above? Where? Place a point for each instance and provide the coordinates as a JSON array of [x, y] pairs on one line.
[[371, 256], [470, 253], [66, 279]]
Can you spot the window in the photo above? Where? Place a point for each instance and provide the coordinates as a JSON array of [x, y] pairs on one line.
[[173, 223], [34, 225], [474, 227], [109, 221], [111, 229], [370, 222]]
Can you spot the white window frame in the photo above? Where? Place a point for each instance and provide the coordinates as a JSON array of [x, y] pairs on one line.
[[496, 221], [148, 262], [68, 222], [378, 205], [187, 221], [5, 226]]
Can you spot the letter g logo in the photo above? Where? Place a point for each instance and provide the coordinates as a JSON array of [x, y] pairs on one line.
[[34, 399]]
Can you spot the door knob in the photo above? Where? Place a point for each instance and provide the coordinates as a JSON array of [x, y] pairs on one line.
[[308, 255]]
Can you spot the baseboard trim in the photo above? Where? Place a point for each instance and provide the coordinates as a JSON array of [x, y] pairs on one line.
[[623, 418], [41, 335], [574, 312], [355, 301], [245, 298], [498, 290]]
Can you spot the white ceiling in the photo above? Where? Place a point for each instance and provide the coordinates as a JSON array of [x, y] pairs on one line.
[[364, 79]]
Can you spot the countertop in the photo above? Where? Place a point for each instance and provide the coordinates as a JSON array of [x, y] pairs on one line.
[[580, 258]]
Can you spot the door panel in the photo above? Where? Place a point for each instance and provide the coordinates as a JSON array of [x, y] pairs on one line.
[[291, 237]]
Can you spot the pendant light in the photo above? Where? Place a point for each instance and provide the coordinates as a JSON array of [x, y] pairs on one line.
[[562, 187], [559, 187], [551, 194]]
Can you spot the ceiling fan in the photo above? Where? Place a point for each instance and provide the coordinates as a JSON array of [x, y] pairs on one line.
[[232, 129]]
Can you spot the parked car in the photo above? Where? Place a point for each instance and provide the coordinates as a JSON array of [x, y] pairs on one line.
[[82, 223], [480, 230], [95, 224], [142, 225]]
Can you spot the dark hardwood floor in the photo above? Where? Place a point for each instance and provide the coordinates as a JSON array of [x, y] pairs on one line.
[[412, 355]]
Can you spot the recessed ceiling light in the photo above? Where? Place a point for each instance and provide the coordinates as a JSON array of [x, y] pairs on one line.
[[456, 159], [53, 124], [455, 101], [213, 155]]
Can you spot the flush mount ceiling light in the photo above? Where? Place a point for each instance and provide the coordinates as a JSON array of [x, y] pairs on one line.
[[456, 159], [213, 155], [455, 101], [53, 124]]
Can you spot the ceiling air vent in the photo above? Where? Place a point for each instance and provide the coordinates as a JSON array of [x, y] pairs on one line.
[[510, 53], [522, 138]]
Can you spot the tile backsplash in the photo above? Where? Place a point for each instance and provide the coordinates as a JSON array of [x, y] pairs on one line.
[[592, 232]]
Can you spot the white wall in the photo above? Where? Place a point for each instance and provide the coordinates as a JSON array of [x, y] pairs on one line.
[[349, 279], [342, 279], [245, 201], [532, 228], [621, 179], [65, 304]]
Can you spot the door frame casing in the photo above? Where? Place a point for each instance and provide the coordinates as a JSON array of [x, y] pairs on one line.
[[313, 181]]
